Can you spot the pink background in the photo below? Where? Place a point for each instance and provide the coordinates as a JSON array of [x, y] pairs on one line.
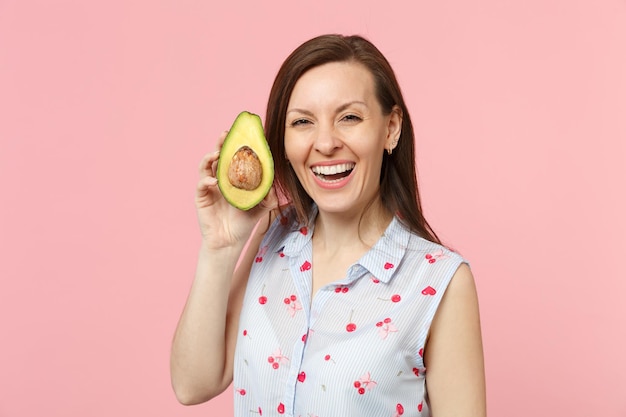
[[106, 108]]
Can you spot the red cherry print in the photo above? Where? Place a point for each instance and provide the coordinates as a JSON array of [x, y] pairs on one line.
[[379, 324], [262, 298], [419, 407], [304, 337], [293, 304], [245, 332], [301, 376], [282, 255], [432, 257], [351, 326], [388, 265], [305, 266], [284, 220], [400, 409], [386, 328], [327, 357], [260, 253], [421, 352], [241, 391], [281, 408], [429, 291], [396, 298], [337, 290], [365, 381], [344, 290], [304, 230], [277, 358], [260, 411], [416, 371], [375, 280]]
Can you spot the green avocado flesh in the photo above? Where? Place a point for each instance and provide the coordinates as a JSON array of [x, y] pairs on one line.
[[245, 169]]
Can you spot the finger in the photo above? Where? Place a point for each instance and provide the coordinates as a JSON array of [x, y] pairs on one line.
[[205, 191], [206, 165], [214, 168], [205, 184]]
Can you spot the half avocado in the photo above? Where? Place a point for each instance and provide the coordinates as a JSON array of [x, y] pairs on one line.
[[245, 169]]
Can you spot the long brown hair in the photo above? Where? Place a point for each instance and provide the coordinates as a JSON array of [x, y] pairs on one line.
[[398, 179]]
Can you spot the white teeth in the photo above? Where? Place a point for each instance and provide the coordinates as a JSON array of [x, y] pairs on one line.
[[332, 169]]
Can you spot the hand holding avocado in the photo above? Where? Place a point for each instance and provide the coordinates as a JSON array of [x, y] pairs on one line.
[[227, 213]]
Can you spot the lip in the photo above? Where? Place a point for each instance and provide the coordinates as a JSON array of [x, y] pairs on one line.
[[332, 185]]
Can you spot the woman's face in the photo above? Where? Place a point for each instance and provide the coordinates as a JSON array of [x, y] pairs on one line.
[[336, 134]]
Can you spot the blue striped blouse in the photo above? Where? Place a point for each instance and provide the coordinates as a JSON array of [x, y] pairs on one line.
[[354, 350]]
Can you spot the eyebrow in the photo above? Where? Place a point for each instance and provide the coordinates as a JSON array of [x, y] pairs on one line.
[[338, 110]]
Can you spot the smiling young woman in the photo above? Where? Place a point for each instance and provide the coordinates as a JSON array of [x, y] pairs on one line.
[[347, 304], [335, 137]]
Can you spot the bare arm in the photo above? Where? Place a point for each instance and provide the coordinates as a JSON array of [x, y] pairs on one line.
[[204, 341], [455, 375], [201, 360]]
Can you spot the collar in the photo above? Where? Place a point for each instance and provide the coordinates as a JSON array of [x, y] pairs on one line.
[[384, 258], [381, 261]]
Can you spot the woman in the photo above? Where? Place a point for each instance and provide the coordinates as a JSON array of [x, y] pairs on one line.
[[347, 304]]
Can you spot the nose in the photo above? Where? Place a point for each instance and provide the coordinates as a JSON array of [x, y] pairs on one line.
[[326, 140]]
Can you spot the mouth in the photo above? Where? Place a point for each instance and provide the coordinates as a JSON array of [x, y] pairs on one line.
[[332, 173]]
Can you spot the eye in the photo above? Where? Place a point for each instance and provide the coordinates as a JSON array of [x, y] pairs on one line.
[[300, 122], [351, 118]]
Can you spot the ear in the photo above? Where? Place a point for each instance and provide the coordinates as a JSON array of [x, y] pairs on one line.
[[394, 128]]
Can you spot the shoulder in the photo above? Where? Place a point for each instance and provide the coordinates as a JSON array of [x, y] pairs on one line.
[[458, 308], [434, 258], [415, 243], [462, 282], [461, 293]]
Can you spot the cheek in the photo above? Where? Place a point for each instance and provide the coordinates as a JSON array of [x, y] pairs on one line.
[[293, 151], [375, 148]]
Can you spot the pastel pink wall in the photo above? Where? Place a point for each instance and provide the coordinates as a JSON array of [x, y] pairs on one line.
[[106, 108]]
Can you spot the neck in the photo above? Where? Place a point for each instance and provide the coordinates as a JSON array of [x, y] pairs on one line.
[[335, 231]]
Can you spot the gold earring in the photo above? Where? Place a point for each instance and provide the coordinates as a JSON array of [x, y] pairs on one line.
[[389, 150]]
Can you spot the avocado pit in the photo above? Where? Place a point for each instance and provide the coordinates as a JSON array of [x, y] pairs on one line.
[[245, 171]]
